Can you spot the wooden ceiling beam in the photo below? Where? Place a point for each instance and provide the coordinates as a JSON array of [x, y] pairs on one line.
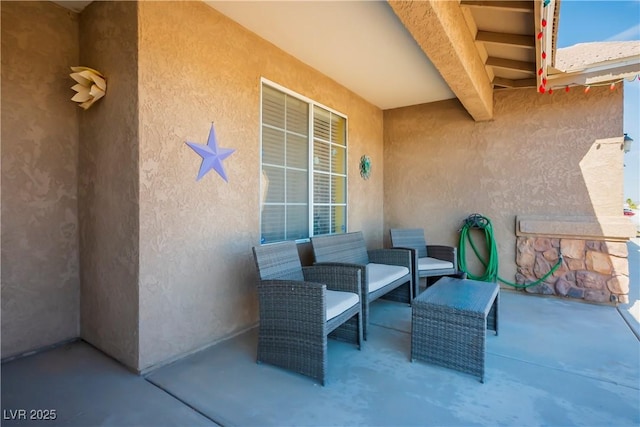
[[502, 82], [514, 84], [440, 30], [517, 40], [512, 6], [512, 64]]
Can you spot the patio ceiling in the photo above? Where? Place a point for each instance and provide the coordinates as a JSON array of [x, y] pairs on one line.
[[504, 33], [395, 54], [361, 45], [74, 5], [386, 53]]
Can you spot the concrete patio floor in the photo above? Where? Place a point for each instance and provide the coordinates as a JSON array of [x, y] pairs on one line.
[[631, 310], [556, 362]]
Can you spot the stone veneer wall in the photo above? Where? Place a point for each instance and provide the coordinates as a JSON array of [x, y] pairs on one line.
[[592, 270]]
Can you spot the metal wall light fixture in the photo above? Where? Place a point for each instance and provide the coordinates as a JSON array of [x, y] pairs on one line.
[[626, 143]]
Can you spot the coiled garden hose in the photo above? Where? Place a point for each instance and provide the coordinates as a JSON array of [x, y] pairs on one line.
[[479, 222]]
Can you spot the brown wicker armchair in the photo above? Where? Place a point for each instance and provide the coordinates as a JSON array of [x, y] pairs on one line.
[[301, 306], [429, 261]]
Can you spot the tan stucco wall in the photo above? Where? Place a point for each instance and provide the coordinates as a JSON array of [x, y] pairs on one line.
[[541, 155], [166, 261], [197, 278], [108, 183], [40, 279]]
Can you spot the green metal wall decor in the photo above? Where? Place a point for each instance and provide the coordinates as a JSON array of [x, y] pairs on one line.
[[365, 166]]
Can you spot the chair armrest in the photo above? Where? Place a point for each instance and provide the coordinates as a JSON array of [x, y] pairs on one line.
[[414, 253], [302, 301], [445, 253], [361, 267], [336, 277], [414, 266], [394, 256]]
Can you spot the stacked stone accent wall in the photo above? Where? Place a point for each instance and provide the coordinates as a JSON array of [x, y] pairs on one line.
[[592, 270]]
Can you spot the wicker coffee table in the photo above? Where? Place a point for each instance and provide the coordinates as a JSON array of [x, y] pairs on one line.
[[449, 323]]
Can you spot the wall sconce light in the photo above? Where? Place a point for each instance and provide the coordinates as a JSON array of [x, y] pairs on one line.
[[91, 86], [626, 143]]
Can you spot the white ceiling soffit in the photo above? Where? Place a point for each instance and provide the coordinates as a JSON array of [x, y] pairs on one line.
[[74, 5], [360, 44]]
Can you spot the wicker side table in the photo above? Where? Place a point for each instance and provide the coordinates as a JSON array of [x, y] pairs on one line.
[[449, 323]]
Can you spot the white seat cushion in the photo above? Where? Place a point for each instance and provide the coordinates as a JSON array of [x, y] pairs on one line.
[[380, 275], [338, 302], [428, 263]]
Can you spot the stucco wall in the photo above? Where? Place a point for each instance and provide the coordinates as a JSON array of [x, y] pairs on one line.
[[197, 278], [541, 155], [108, 183], [40, 279]]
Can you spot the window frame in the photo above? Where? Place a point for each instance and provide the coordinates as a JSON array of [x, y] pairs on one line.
[[310, 163]]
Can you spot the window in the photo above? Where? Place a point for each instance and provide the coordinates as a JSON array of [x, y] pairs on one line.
[[303, 166]]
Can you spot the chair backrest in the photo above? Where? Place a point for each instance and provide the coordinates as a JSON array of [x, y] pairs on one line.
[[409, 238], [278, 261], [347, 247]]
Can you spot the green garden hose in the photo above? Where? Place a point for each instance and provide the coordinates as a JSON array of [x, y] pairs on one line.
[[479, 222]]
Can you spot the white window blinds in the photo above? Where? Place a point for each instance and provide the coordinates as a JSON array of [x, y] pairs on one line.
[[329, 172], [301, 193]]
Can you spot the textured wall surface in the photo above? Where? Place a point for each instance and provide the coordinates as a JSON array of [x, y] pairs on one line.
[[197, 278], [40, 279], [541, 155], [166, 261], [440, 30], [108, 186]]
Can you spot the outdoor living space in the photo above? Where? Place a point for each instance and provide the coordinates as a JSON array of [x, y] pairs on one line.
[[542, 369], [137, 187]]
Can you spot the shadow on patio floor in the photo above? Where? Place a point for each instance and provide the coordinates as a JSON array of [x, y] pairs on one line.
[[555, 363], [631, 310]]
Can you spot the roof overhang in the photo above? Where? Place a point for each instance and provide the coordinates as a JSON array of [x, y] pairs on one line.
[[596, 74], [594, 71], [440, 30]]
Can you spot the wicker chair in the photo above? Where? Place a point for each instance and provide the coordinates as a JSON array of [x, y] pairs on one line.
[[301, 306], [384, 271], [429, 261]]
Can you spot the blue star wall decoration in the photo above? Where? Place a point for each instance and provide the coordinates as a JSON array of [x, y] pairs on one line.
[[212, 155]]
